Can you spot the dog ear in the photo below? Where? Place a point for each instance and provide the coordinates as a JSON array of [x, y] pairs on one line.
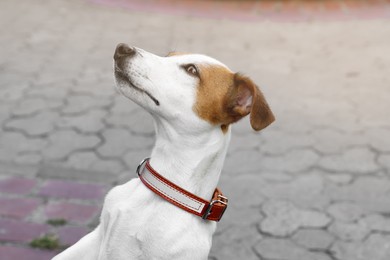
[[247, 98]]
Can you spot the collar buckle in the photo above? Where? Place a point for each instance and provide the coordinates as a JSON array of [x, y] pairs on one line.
[[221, 199], [140, 165]]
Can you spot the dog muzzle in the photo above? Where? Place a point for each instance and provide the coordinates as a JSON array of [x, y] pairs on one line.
[[208, 210]]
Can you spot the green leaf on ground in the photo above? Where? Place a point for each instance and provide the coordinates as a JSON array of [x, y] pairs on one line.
[[46, 242], [56, 222]]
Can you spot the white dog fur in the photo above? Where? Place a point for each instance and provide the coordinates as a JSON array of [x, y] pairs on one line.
[[193, 100]]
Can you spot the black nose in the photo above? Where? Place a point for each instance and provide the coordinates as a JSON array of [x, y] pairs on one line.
[[123, 50]]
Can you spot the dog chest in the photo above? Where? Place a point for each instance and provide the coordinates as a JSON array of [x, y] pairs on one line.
[[137, 224]]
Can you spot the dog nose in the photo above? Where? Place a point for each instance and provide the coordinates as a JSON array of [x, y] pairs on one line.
[[123, 50]]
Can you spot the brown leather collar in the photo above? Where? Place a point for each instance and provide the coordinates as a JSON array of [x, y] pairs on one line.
[[210, 210]]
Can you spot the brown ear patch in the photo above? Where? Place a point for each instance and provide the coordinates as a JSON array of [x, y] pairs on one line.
[[224, 98], [260, 113], [214, 84]]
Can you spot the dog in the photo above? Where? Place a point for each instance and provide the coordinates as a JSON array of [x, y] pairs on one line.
[[193, 99]]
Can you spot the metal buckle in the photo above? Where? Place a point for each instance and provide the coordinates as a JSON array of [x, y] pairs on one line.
[[140, 165], [223, 200]]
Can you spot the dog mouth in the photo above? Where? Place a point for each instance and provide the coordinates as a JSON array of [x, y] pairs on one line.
[[122, 76]]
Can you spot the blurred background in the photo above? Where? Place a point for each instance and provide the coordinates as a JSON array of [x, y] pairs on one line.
[[315, 185]]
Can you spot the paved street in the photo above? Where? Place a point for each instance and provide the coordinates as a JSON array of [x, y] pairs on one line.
[[313, 186]]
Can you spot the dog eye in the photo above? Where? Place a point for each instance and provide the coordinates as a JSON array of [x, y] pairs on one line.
[[192, 69]]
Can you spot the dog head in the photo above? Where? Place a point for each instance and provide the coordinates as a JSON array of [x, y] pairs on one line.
[[191, 91]]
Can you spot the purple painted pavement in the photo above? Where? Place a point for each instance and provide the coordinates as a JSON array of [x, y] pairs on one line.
[[72, 212], [10, 252], [68, 235], [18, 208], [17, 185], [72, 190], [20, 231]]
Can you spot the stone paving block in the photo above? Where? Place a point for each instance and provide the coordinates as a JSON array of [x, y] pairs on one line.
[[12, 144], [10, 252], [276, 177], [283, 218], [12, 92], [350, 231], [42, 36], [249, 141], [377, 222], [368, 192], [292, 126], [137, 121], [279, 142], [249, 186], [379, 138], [64, 142], [123, 105], [243, 128], [31, 105], [20, 231], [232, 243], [29, 158], [17, 185], [18, 208], [69, 235], [10, 78], [83, 103], [235, 215], [340, 141], [89, 122], [119, 141], [283, 249], [72, 190], [132, 160], [25, 171], [384, 160], [376, 246], [56, 90], [55, 171], [94, 87], [38, 124], [109, 166], [305, 191], [71, 212], [51, 74], [356, 161], [245, 161], [90, 161], [339, 178], [294, 161], [375, 119], [345, 211], [315, 239], [5, 111]]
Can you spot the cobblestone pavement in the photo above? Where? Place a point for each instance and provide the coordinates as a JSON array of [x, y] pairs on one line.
[[313, 186]]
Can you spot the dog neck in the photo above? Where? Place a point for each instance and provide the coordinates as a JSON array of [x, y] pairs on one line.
[[193, 162]]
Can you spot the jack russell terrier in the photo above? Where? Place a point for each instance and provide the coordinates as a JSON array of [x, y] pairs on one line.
[[171, 210]]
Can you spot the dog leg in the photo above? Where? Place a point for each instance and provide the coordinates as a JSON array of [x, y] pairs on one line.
[[87, 248]]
